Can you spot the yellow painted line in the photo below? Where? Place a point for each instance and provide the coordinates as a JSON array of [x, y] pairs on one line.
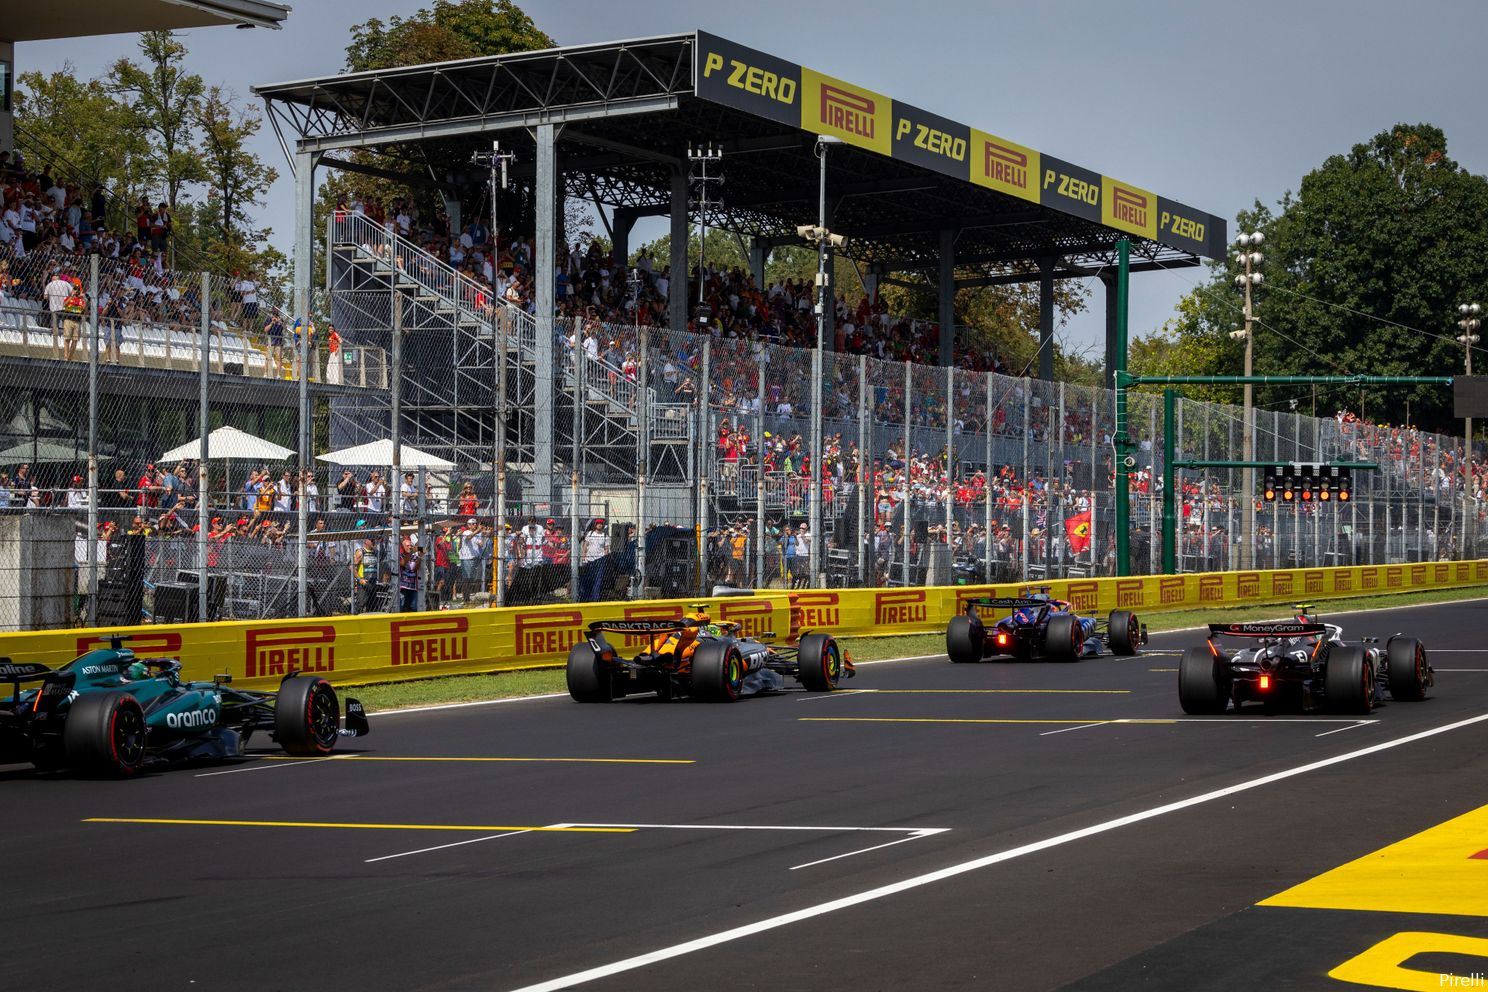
[[359, 826], [919, 719], [1013, 692], [591, 761], [1442, 870]]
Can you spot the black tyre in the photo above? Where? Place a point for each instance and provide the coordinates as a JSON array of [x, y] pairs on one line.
[[1348, 684], [717, 672], [307, 716], [1123, 632], [1202, 688], [588, 680], [965, 641], [1062, 638], [819, 663], [105, 734], [1406, 657]]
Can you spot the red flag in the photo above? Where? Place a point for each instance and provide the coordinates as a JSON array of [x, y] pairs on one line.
[[1077, 530]]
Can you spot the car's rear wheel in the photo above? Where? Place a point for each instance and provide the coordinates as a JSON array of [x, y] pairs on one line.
[[1406, 658], [819, 662], [1348, 683], [589, 681], [105, 734], [1202, 689], [1062, 640], [965, 641], [1123, 632], [717, 672], [307, 716]]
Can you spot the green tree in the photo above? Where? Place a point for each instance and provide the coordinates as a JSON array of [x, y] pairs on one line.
[[165, 100], [451, 29], [237, 179], [1363, 270]]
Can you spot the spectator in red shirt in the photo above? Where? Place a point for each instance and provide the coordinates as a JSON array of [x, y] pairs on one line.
[[150, 487]]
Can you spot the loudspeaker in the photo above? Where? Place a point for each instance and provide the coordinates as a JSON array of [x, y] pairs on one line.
[[119, 602], [846, 531], [175, 602], [126, 558], [1080, 475], [921, 533], [216, 590]]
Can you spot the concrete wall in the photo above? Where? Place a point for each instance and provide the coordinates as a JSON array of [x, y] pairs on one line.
[[38, 577]]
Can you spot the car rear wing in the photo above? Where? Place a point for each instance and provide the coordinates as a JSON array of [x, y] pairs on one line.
[[641, 626], [22, 671], [1013, 603], [1282, 628]]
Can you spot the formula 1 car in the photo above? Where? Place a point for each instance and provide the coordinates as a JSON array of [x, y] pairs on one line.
[[1039, 626], [109, 713], [1301, 665], [694, 656]]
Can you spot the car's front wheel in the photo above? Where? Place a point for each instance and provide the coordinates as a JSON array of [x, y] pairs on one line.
[[1406, 658], [1348, 683], [307, 716], [819, 663], [1123, 632]]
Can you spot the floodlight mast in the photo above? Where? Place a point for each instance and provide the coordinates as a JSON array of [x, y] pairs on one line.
[[823, 239]]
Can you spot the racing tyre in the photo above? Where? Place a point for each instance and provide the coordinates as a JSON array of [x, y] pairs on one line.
[[1062, 640], [965, 641], [1348, 684], [1123, 632], [1406, 658], [588, 680], [307, 716], [1201, 689], [105, 734], [717, 672], [819, 663]]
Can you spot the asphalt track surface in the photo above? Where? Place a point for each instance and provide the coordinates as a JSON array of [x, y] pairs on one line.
[[798, 842]]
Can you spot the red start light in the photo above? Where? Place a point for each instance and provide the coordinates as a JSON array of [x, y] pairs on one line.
[[1265, 682]]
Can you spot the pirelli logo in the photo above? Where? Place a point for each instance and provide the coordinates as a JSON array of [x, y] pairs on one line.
[[1368, 578], [1131, 208], [847, 111], [1004, 165], [1128, 208], [1394, 577], [817, 609], [1343, 580], [281, 650], [548, 632], [1172, 589], [1418, 575], [1312, 582], [429, 641], [1481, 569], [1211, 589], [165, 642], [1441, 572], [1083, 595], [1130, 593], [1463, 571], [1281, 584], [899, 607], [754, 616], [1248, 585]]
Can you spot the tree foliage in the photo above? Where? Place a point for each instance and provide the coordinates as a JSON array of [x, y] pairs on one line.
[[451, 29], [1363, 270], [164, 101]]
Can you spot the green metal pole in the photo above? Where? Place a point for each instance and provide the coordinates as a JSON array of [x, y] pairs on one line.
[[1120, 441], [1170, 485], [1289, 380]]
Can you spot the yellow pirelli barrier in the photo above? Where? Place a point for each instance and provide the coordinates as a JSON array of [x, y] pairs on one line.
[[387, 647]]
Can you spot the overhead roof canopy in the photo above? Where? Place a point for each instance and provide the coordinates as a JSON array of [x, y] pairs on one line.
[[29, 20], [900, 178]]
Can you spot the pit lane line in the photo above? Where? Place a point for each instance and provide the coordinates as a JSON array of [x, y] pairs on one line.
[[930, 878]]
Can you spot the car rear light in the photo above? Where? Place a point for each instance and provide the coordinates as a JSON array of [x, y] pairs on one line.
[[1002, 639], [1265, 682]]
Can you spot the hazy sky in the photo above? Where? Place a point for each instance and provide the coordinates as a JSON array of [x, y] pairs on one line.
[[1214, 104]]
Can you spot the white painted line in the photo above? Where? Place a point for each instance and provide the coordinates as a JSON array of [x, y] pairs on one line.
[[441, 847], [1339, 730], [1460, 669], [276, 764], [1339, 613], [731, 826], [864, 850], [1065, 730], [890, 661], [1457, 650], [882, 891], [478, 702], [837, 694], [1246, 719]]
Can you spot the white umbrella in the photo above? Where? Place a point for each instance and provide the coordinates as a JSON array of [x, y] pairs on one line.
[[379, 454], [230, 443]]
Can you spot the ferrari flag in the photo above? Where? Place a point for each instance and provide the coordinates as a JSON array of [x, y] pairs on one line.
[[1077, 530]]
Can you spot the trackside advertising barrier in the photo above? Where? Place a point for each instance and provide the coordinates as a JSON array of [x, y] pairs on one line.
[[387, 647]]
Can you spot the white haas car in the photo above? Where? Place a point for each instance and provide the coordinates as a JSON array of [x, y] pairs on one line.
[[1303, 665]]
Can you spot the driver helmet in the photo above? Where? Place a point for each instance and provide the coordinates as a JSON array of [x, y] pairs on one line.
[[713, 630], [136, 671]]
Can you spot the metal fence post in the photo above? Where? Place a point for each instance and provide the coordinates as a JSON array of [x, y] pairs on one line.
[[577, 428], [987, 478], [865, 472], [704, 463], [950, 455], [1027, 479], [814, 488], [643, 453], [203, 482], [1153, 543], [394, 488], [908, 491], [758, 544], [92, 535], [1055, 536], [501, 546]]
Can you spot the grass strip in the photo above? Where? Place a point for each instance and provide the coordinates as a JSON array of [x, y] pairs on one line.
[[540, 681]]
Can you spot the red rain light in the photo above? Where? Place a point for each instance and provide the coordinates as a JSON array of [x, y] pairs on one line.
[[1265, 682]]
